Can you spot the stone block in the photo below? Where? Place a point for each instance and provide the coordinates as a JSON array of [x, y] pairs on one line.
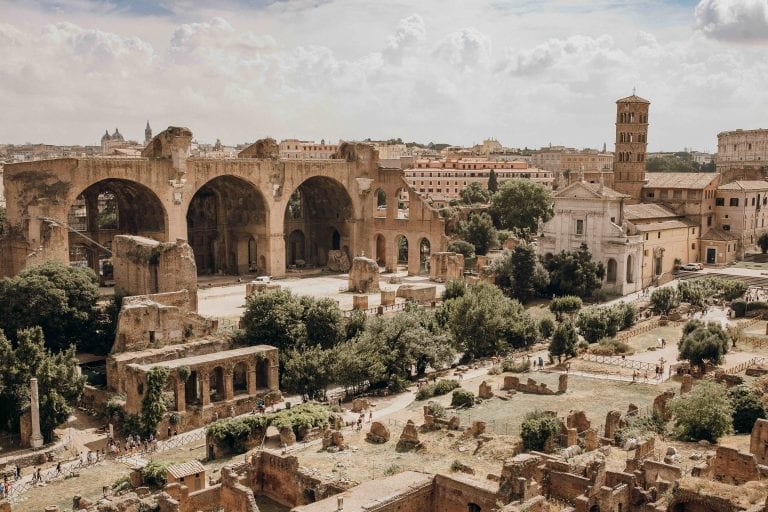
[[562, 383], [287, 436], [409, 438], [359, 302], [360, 404], [485, 391], [364, 275], [590, 440], [687, 383], [477, 428], [378, 434], [338, 261], [418, 292], [660, 404], [388, 297]]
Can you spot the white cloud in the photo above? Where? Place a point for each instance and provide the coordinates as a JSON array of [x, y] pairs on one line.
[[580, 53], [733, 20], [410, 32], [467, 48]]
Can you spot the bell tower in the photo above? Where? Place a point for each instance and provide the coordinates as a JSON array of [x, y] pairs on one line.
[[147, 134], [631, 145]]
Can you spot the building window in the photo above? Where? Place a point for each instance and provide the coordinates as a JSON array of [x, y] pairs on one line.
[[649, 193], [753, 201], [726, 227], [709, 220], [720, 201], [658, 235], [579, 227], [734, 201], [693, 246], [677, 194]]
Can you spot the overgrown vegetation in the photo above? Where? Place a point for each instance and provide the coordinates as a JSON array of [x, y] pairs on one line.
[[153, 405], [663, 300], [604, 322], [441, 387], [747, 407], [234, 434], [610, 347], [639, 427], [701, 344], [703, 413], [153, 474], [513, 366], [462, 398], [537, 428]]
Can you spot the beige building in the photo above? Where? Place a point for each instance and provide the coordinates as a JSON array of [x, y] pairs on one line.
[[592, 214], [741, 208], [567, 164], [443, 180], [691, 194], [742, 154], [669, 239], [294, 149], [631, 145]]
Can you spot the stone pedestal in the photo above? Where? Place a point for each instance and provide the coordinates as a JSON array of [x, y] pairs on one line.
[[388, 297], [359, 302], [364, 275], [36, 439]]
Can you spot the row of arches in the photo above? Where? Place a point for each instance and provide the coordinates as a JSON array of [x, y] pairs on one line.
[[218, 381], [630, 117], [403, 253], [397, 208], [632, 137], [227, 223], [626, 156]]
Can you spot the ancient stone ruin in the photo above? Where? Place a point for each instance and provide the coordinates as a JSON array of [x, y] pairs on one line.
[[364, 275]]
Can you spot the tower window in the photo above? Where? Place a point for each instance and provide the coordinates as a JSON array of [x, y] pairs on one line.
[[734, 201]]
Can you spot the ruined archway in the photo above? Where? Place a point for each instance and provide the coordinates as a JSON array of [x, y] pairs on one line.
[[425, 249], [611, 271], [381, 250], [192, 389], [226, 226], [216, 384], [403, 203], [295, 248], [240, 378], [320, 208], [401, 242], [380, 203], [106, 209]]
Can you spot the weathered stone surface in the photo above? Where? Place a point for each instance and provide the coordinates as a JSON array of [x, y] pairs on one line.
[[417, 292], [287, 436], [612, 424], [409, 439], [485, 391], [338, 261], [444, 266], [388, 297], [758, 441], [577, 420], [660, 404], [360, 404], [562, 383], [530, 386], [687, 384], [364, 275], [378, 434]]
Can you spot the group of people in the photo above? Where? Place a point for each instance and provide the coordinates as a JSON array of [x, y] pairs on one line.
[[659, 374], [132, 445], [361, 419]]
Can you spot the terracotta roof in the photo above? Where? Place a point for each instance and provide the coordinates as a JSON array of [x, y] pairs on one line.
[[679, 179], [633, 99], [647, 211], [191, 467], [745, 185], [661, 226], [717, 234]]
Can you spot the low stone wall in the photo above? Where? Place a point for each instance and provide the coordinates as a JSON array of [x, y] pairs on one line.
[[454, 493], [530, 386]]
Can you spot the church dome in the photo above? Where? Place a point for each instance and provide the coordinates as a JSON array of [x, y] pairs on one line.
[[117, 135], [106, 136]]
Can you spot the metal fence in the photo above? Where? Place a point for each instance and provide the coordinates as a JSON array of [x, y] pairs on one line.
[[619, 361]]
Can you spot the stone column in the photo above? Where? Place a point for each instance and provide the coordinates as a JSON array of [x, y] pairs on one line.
[[36, 440], [229, 391], [181, 395], [251, 379], [272, 380], [276, 254], [414, 257], [205, 388]]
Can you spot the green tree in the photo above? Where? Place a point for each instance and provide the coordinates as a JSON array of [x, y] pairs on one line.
[[454, 288], [574, 273], [566, 305], [703, 413], [747, 408], [479, 231], [564, 341], [596, 323], [153, 405], [309, 371], [484, 322], [274, 317], [322, 318], [520, 273], [537, 428], [356, 363], [762, 241], [58, 381], [546, 326], [664, 299], [58, 298], [493, 182], [520, 205], [701, 344], [355, 324], [474, 193], [462, 247]]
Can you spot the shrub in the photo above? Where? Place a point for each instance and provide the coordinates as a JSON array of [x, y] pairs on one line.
[[445, 386], [392, 469], [546, 327], [596, 322], [425, 391], [115, 408], [747, 408], [512, 366], [703, 413], [153, 474], [567, 305], [664, 299], [639, 427], [627, 312], [739, 308], [454, 288], [610, 347], [537, 428], [456, 466], [436, 410], [462, 398]]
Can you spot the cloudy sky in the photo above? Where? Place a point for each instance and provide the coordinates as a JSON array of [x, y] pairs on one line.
[[527, 72]]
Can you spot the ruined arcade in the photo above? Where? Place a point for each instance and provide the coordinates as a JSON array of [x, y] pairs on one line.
[[255, 213]]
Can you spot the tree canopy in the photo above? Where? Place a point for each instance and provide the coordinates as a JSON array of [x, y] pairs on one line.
[[58, 298], [520, 205], [484, 322], [58, 381], [564, 340], [520, 274], [574, 273], [701, 344], [474, 193], [663, 300], [703, 413], [479, 231]]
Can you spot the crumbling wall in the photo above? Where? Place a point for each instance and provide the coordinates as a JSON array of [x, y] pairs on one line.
[[143, 266], [444, 266], [455, 493]]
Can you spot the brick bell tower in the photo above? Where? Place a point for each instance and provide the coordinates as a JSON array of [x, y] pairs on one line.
[[631, 144]]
